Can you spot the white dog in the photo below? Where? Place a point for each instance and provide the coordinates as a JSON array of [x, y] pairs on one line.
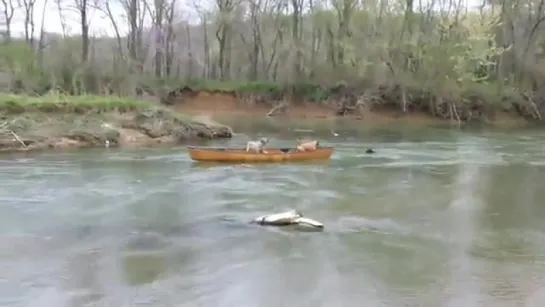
[[257, 146]]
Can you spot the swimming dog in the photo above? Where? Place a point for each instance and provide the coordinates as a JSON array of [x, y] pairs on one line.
[[257, 146]]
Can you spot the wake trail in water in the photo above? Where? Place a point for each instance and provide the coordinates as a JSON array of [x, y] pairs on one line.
[[336, 286], [329, 287]]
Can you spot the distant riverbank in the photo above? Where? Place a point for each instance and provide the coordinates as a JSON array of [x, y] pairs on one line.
[[381, 106], [55, 121]]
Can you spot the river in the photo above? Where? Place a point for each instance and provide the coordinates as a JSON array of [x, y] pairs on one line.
[[441, 218]]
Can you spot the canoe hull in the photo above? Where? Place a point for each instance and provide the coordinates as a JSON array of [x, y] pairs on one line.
[[211, 154]]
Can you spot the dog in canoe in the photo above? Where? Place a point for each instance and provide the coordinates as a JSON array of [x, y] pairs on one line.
[[257, 146], [307, 145]]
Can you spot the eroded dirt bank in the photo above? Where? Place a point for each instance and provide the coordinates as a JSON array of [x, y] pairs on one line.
[[40, 130], [380, 107]]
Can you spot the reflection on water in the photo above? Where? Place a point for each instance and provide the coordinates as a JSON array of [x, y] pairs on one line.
[[464, 209], [439, 218], [143, 268]]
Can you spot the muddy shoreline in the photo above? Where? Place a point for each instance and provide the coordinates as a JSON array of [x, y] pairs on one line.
[[38, 131]]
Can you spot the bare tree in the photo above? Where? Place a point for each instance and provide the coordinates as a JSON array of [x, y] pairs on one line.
[[345, 10], [83, 6], [170, 36], [41, 41], [223, 35], [9, 8], [297, 36], [60, 10], [28, 6], [106, 8]]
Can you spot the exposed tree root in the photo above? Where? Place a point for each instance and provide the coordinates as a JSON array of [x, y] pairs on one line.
[[280, 108]]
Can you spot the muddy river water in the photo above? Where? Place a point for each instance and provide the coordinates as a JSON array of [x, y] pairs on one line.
[[442, 218]]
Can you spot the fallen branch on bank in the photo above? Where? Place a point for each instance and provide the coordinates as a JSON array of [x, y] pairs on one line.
[[278, 109], [17, 138], [534, 106], [454, 112]]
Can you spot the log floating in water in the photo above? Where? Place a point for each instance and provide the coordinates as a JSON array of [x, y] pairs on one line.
[[305, 221], [288, 218], [278, 219]]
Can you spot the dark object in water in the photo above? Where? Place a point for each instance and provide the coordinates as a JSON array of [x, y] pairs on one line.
[[369, 151]]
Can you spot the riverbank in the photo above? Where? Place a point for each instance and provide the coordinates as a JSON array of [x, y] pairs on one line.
[[192, 112], [388, 104], [64, 122]]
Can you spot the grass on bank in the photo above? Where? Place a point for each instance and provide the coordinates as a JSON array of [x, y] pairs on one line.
[[57, 104], [488, 92], [11, 103], [310, 91]]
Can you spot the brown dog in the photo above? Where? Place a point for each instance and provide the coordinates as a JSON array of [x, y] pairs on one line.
[[308, 145]]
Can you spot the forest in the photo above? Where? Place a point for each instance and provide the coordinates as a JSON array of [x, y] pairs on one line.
[[455, 59]]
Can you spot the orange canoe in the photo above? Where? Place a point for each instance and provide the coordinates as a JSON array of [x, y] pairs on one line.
[[212, 154]]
